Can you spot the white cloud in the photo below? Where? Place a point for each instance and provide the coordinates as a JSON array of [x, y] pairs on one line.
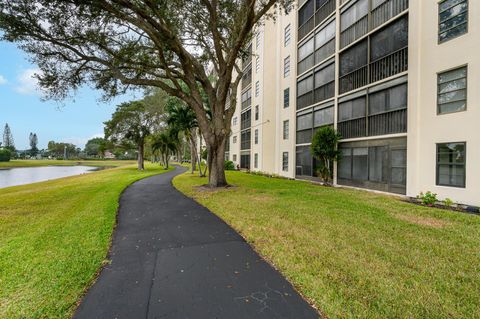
[[27, 83], [2, 80]]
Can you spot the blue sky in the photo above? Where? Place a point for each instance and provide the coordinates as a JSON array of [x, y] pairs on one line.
[[74, 121]]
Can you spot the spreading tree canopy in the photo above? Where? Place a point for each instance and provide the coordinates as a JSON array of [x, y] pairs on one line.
[[115, 44], [133, 122]]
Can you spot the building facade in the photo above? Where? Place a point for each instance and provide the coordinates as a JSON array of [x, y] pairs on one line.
[[398, 79]]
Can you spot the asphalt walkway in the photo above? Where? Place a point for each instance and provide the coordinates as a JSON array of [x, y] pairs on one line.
[[173, 258]]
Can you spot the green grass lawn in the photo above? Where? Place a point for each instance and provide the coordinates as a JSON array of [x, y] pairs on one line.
[[54, 236], [355, 254], [36, 163]]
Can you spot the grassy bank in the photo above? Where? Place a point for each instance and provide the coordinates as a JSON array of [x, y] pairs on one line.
[[37, 163], [355, 254], [54, 237]]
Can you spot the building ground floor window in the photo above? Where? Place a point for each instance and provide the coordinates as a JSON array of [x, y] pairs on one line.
[[374, 164]]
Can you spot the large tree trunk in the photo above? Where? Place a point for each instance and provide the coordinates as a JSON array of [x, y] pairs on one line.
[[141, 167], [216, 163]]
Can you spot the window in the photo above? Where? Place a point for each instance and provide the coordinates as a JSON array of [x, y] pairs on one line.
[[234, 139], [451, 164], [257, 89], [257, 64], [235, 120], [285, 161], [257, 41], [256, 137], [255, 160], [286, 129], [286, 98], [453, 19], [452, 91], [286, 67], [288, 35], [234, 157], [257, 112]]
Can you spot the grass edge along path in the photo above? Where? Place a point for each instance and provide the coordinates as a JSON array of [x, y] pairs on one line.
[[55, 238], [351, 253]]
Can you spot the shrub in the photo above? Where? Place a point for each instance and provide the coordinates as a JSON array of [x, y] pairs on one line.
[[428, 198], [229, 166], [5, 155], [448, 202]]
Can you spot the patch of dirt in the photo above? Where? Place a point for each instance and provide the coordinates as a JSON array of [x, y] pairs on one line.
[[424, 221]]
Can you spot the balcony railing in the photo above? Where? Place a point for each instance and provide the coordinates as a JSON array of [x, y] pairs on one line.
[[354, 32], [394, 63], [354, 80], [353, 128], [305, 100], [387, 10], [388, 123], [324, 11], [324, 92]]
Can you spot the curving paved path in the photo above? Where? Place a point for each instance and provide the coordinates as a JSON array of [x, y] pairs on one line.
[[173, 258]]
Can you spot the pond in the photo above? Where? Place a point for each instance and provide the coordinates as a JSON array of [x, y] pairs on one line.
[[27, 175]]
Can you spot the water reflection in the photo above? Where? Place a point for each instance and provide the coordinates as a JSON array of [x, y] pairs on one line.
[[28, 175]]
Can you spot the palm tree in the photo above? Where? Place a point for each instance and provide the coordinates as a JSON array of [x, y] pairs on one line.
[[166, 144], [181, 118]]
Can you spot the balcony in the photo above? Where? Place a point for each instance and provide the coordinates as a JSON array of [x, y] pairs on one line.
[[305, 100], [354, 32], [354, 80], [387, 10], [247, 103], [388, 123], [353, 128], [377, 17], [394, 63], [324, 92], [325, 51], [247, 78], [324, 11]]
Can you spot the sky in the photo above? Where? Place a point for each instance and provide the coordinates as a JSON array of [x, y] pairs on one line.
[[74, 121]]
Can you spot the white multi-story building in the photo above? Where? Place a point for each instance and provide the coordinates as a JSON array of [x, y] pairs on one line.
[[398, 79]]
